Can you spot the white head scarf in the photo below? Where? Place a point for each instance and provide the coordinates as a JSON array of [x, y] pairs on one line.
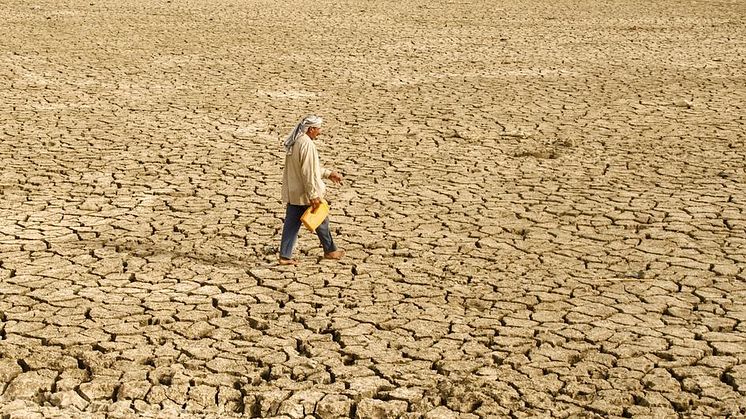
[[300, 129]]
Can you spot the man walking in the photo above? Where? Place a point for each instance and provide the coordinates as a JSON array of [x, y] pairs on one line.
[[303, 187]]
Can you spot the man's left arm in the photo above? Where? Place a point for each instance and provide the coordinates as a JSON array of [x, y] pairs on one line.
[[332, 175], [336, 177]]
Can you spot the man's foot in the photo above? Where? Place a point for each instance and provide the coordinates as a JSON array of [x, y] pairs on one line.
[[335, 255], [284, 261]]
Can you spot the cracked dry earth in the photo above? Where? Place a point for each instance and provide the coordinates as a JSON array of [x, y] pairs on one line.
[[544, 209]]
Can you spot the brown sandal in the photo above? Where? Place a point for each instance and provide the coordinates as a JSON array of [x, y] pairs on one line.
[[335, 255], [284, 261]]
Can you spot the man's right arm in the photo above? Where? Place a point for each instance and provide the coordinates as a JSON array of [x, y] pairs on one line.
[[308, 167]]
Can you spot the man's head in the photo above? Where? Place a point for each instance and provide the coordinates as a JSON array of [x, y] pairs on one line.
[[309, 125], [312, 123], [313, 132]]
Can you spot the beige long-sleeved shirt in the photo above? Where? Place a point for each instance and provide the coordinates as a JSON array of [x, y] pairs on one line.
[[303, 176]]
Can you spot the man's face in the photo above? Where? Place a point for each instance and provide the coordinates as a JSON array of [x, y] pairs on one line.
[[313, 132]]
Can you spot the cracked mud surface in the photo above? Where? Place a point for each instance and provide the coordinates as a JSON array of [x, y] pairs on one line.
[[544, 209]]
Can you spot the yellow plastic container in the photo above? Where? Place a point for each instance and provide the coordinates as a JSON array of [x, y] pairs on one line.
[[312, 219]]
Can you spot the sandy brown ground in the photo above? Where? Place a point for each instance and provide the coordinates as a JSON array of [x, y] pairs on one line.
[[545, 209]]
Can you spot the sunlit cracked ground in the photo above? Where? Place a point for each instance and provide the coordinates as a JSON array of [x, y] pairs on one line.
[[544, 209]]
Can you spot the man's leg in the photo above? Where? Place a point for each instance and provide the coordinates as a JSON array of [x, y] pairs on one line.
[[325, 236], [290, 230]]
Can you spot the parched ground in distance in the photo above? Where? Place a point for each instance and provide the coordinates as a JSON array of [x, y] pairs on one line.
[[544, 209]]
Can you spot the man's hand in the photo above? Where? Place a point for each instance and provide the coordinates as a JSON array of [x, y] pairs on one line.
[[315, 203], [336, 177]]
